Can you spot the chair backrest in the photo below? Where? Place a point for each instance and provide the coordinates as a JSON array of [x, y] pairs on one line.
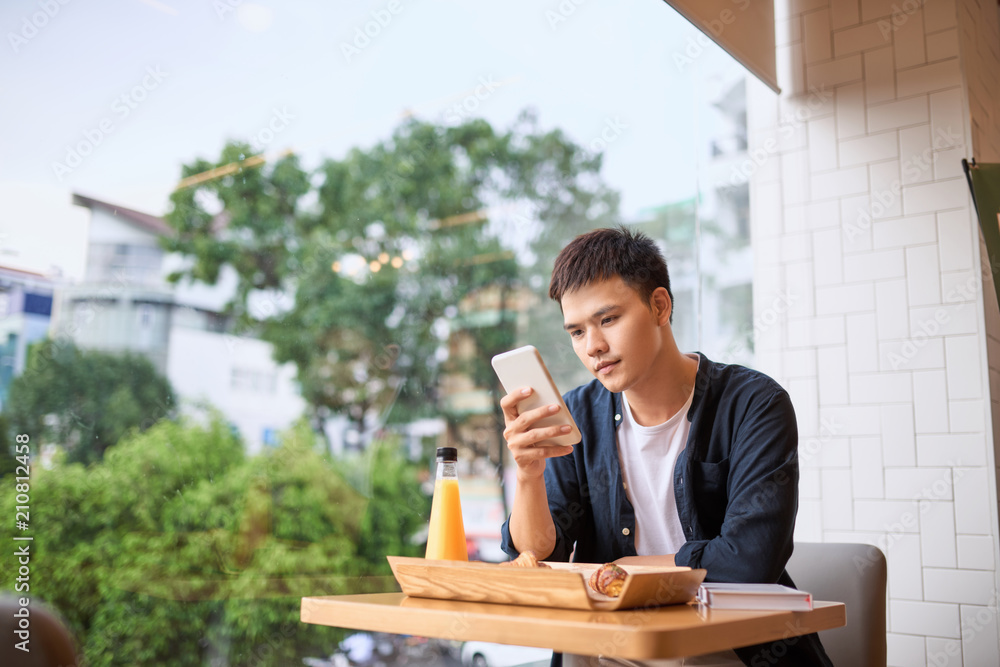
[[50, 643], [854, 574]]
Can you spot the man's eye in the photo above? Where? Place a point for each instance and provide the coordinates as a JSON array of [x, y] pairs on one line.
[[607, 320], [576, 333]]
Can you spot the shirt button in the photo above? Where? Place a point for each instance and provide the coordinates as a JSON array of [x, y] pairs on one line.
[[618, 418], [625, 531], [682, 481]]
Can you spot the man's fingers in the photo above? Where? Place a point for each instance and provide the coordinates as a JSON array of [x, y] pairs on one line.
[[509, 402]]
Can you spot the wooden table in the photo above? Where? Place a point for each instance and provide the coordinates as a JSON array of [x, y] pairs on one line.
[[638, 634]]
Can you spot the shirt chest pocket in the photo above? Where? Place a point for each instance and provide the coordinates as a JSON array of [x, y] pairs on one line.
[[710, 496]]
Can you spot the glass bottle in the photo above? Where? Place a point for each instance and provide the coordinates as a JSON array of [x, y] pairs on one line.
[[446, 533]]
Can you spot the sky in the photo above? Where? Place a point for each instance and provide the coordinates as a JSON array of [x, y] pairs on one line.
[[109, 99]]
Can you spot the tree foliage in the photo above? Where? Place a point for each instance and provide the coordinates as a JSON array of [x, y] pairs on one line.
[[86, 400], [371, 261], [177, 549]]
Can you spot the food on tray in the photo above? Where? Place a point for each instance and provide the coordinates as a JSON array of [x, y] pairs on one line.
[[608, 580], [526, 559]]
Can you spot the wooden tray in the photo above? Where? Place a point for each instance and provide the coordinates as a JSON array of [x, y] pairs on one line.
[[564, 585]]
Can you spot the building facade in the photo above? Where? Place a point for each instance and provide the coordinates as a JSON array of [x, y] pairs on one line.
[[125, 303]]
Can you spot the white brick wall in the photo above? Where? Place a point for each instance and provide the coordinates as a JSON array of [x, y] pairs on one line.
[[888, 354]]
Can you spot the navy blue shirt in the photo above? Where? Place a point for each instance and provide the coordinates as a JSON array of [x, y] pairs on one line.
[[735, 483]]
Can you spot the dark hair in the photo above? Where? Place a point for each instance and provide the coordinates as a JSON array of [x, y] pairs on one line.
[[605, 253]]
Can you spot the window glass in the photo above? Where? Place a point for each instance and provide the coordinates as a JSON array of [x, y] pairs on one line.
[[254, 262]]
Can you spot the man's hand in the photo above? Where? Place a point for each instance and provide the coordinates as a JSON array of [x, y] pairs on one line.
[[526, 443]]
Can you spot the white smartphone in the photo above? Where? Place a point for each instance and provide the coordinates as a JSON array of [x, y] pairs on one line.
[[524, 367]]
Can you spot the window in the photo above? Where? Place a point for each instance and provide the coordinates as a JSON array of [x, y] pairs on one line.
[[364, 244]]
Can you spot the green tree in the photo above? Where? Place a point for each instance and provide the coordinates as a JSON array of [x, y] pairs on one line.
[[85, 400], [177, 549], [357, 289]]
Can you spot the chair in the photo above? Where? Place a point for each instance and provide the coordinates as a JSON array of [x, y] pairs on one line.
[[854, 574], [50, 642]]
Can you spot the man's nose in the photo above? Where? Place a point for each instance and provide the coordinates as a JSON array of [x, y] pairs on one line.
[[596, 345]]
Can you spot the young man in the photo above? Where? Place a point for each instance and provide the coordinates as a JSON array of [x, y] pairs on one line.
[[682, 460]]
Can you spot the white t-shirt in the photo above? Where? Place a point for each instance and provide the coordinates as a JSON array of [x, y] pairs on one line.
[[648, 455]]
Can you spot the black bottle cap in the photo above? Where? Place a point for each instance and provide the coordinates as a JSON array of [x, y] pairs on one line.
[[447, 453]]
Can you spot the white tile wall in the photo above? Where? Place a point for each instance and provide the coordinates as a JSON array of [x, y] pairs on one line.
[[980, 638], [879, 265], [935, 196], [960, 448], [947, 117], [831, 374], [864, 37], [972, 515], [967, 416], [910, 482], [875, 9], [839, 514], [867, 478], [881, 232], [955, 233], [927, 78], [941, 45], [960, 586], [923, 284], [880, 388], [930, 402], [944, 652], [817, 331], [908, 38], [975, 552], [892, 312], [905, 576], [905, 650], [937, 538], [898, 440], [850, 110], [897, 114], [964, 366], [939, 14], [836, 72], [911, 354], [924, 618], [828, 258], [880, 75], [840, 182], [816, 33]]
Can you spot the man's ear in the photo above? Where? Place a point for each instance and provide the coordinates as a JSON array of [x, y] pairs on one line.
[[661, 305]]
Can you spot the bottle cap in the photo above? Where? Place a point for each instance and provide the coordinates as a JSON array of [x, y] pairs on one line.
[[447, 453]]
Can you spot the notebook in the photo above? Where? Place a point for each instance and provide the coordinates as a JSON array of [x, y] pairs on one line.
[[754, 596]]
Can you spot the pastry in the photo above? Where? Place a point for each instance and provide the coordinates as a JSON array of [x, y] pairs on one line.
[[608, 580]]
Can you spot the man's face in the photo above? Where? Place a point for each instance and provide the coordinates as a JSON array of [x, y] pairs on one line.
[[614, 332]]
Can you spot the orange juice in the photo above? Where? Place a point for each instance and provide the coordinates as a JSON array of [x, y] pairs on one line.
[[446, 534]]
